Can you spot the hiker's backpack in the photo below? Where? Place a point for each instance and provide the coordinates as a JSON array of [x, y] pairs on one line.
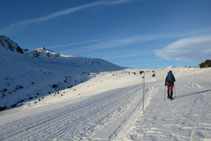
[[170, 77]]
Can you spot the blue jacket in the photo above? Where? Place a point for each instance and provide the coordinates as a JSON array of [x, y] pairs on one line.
[[170, 79]]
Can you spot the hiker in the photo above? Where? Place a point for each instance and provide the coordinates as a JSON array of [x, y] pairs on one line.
[[170, 84]]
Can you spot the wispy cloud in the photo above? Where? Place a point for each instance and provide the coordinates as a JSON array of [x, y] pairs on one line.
[[192, 49], [121, 42], [129, 55], [118, 2], [73, 44], [22, 24], [90, 46]]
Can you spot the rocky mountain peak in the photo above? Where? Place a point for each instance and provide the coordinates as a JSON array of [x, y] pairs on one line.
[[8, 44]]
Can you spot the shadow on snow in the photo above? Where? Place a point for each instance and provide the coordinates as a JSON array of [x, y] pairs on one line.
[[194, 93]]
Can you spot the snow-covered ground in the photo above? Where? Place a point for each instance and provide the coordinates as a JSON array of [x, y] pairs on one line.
[[188, 117], [109, 107], [28, 75], [48, 96]]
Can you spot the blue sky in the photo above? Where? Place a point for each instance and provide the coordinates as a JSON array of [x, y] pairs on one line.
[[131, 33]]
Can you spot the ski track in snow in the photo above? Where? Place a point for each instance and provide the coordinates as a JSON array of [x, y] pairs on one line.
[[75, 122], [117, 114]]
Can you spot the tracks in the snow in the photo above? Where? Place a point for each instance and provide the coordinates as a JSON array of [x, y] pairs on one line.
[[75, 121]]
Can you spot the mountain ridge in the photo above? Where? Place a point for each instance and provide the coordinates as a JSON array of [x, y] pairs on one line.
[[27, 75]]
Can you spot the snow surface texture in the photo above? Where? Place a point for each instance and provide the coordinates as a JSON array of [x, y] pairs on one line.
[[27, 75], [107, 106], [187, 117]]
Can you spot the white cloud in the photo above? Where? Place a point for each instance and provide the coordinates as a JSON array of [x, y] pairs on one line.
[[121, 42], [130, 55], [113, 43], [117, 2], [73, 44], [192, 49], [22, 24]]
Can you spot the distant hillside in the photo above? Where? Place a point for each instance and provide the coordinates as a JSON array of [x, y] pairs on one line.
[[26, 75]]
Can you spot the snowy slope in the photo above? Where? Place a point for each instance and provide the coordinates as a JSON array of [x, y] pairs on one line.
[[109, 107], [28, 75], [187, 117]]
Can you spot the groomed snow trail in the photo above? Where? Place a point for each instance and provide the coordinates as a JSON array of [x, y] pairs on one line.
[[116, 114], [95, 118], [186, 118]]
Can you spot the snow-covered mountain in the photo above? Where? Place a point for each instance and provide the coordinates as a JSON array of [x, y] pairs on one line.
[[43, 52], [110, 105], [27, 75], [8, 44]]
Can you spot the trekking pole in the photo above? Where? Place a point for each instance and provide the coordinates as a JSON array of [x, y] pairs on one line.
[[175, 90], [165, 93]]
